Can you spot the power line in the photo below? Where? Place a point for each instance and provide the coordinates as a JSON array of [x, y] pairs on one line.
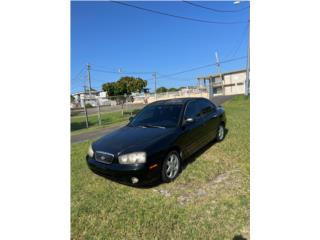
[[176, 16], [178, 79], [201, 67], [114, 72], [188, 70], [119, 71], [177, 73], [238, 44], [104, 71], [214, 9], [233, 59], [162, 76], [103, 67], [78, 74]]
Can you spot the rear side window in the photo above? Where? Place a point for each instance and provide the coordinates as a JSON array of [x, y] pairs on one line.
[[193, 110], [207, 107]]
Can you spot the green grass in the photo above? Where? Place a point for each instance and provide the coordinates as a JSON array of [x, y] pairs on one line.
[[209, 200], [97, 127], [79, 122]]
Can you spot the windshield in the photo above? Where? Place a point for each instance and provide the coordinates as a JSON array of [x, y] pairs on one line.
[[158, 116]]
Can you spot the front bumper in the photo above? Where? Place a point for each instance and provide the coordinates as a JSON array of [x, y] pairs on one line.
[[124, 172]]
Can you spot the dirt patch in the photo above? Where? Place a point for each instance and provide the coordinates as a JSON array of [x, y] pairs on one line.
[[187, 193]]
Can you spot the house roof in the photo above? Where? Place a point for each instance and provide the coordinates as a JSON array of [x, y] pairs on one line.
[[87, 92]]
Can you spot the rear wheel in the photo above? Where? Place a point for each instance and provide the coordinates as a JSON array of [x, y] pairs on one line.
[[220, 133], [171, 167]]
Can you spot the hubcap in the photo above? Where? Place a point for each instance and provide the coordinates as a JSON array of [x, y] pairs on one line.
[[220, 132], [172, 166]]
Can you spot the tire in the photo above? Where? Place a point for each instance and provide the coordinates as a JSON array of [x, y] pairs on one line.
[[172, 161], [221, 132]]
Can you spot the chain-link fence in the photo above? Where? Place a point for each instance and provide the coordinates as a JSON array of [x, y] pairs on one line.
[[93, 110]]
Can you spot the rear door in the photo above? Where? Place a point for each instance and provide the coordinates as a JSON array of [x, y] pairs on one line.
[[210, 120]]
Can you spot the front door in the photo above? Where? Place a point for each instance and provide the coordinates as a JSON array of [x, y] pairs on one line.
[[192, 137]]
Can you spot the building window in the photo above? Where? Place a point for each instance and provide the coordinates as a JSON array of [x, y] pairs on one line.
[[218, 80], [217, 90]]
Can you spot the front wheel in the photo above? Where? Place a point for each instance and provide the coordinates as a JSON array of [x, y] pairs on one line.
[[221, 133], [171, 167]]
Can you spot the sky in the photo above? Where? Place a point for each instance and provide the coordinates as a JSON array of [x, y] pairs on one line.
[[110, 36]]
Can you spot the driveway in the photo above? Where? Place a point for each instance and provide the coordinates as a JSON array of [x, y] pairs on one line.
[[100, 132]]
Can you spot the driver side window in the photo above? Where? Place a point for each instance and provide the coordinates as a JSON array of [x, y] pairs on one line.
[[193, 110]]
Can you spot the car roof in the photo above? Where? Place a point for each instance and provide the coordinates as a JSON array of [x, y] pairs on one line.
[[177, 101]]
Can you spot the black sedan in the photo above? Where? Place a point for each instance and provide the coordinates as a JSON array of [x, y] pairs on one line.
[[157, 140]]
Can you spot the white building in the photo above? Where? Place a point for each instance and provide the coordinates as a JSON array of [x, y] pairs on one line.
[[231, 83], [97, 97]]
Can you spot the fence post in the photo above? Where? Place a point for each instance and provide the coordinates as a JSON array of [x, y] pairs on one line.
[[122, 103], [99, 115], [85, 111]]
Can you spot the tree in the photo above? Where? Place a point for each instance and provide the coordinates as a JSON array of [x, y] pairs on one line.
[[110, 88], [162, 90], [173, 89], [72, 98], [125, 85]]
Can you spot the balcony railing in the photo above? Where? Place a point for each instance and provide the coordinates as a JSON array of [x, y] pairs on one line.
[[217, 83]]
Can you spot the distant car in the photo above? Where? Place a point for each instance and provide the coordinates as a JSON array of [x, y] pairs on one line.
[[157, 140]]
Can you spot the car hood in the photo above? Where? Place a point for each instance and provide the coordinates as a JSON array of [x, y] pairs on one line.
[[130, 139]]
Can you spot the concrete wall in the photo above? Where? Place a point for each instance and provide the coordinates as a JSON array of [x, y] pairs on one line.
[[234, 83], [234, 78]]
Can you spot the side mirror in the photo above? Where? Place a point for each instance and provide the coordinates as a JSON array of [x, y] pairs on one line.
[[130, 119], [189, 120]]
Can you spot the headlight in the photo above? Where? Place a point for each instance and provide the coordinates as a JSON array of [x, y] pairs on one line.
[[90, 151], [132, 158]]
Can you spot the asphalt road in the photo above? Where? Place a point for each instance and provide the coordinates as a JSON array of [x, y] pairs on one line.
[[221, 99], [100, 132]]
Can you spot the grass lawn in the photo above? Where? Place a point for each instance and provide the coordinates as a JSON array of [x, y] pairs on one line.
[[79, 122], [209, 200], [97, 127]]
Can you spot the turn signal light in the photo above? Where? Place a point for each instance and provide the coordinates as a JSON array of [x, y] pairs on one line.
[[153, 166]]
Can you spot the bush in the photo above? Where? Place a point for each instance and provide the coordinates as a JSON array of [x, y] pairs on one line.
[[88, 105], [130, 99], [135, 111]]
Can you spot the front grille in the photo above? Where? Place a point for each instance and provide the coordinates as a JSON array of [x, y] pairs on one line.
[[103, 157]]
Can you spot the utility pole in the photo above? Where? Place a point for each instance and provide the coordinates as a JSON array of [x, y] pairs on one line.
[[155, 85], [247, 82], [89, 79], [219, 71]]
